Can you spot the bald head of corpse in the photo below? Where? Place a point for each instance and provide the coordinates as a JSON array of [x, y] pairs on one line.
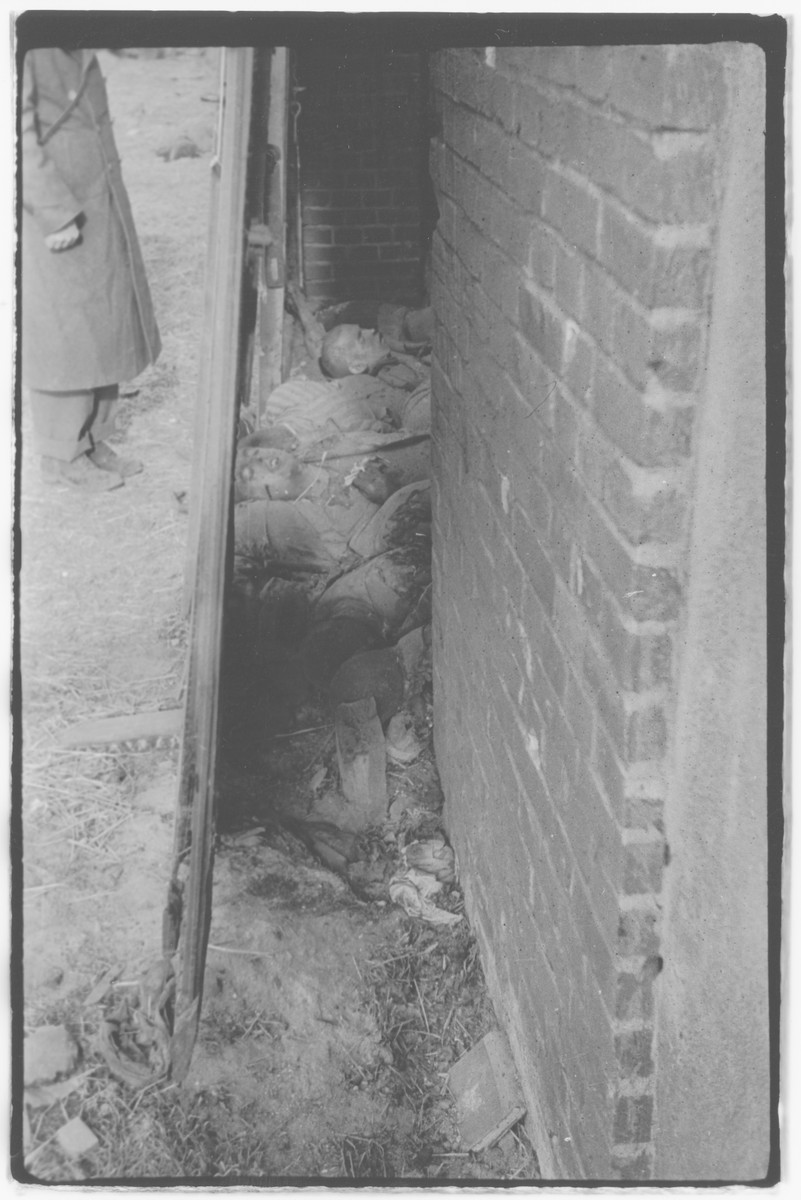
[[350, 350]]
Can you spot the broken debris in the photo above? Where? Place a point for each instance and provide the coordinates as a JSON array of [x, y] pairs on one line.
[[76, 1138], [42, 1095], [413, 890], [135, 1033], [50, 1052], [487, 1092]]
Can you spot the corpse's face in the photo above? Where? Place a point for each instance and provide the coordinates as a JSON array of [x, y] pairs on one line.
[[361, 349], [269, 472]]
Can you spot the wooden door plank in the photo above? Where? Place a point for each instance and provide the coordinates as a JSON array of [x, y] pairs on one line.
[[211, 498]]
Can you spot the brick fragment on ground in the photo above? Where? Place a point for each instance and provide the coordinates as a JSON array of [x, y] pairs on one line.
[[76, 1138], [50, 1051], [485, 1086]]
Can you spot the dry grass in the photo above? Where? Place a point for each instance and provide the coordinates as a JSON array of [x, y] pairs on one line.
[[156, 1133], [364, 1158], [429, 999], [85, 820]]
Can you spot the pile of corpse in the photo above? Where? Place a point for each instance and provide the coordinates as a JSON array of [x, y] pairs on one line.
[[332, 569]]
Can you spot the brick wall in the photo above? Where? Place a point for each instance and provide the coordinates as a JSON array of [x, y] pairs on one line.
[[578, 196], [360, 134]]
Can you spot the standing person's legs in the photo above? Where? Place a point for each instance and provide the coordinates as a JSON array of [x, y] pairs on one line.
[[103, 421], [70, 428], [61, 423], [103, 425]]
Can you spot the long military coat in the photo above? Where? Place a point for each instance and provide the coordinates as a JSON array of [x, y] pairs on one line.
[[87, 315]]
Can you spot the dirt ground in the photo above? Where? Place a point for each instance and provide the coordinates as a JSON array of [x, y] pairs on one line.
[[330, 1017]]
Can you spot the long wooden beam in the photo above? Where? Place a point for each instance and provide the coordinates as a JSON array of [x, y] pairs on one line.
[[188, 912]]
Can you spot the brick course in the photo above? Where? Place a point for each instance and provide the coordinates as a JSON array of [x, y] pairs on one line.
[[577, 196], [361, 203]]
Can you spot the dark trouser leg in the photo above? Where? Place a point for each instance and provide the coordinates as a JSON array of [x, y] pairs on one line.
[[68, 424], [102, 427]]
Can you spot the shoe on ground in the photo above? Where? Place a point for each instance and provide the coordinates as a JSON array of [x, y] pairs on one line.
[[80, 473], [108, 460]]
